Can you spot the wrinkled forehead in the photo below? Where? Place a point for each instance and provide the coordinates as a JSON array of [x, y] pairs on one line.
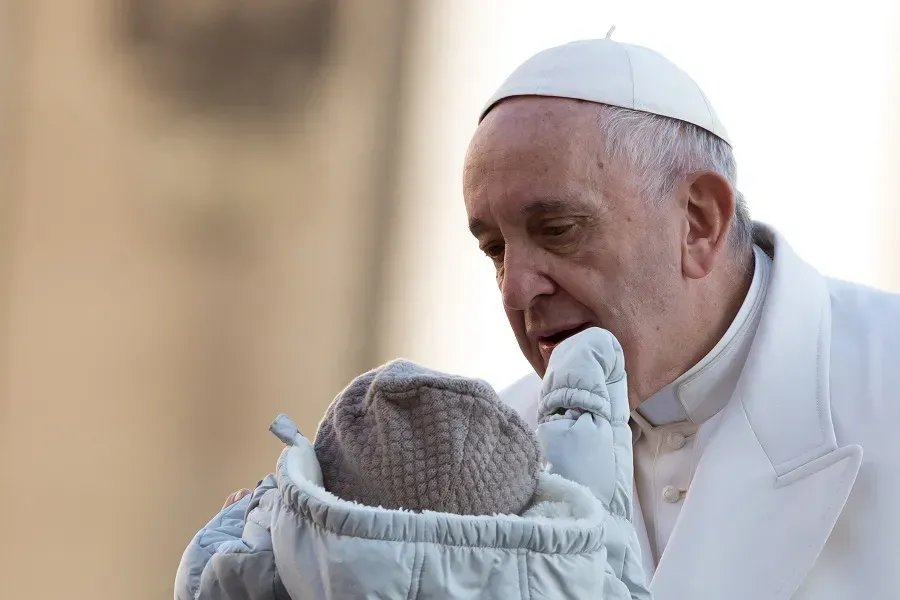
[[529, 150], [540, 121], [532, 132]]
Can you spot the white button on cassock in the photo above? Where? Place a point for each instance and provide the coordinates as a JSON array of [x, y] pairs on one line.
[[671, 494], [675, 440]]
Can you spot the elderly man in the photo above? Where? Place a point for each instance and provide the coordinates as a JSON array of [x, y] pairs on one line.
[[603, 187]]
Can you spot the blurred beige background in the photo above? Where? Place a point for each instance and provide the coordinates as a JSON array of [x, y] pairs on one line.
[[177, 266], [212, 212]]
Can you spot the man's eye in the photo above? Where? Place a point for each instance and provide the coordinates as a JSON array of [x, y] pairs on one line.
[[556, 230], [493, 251]]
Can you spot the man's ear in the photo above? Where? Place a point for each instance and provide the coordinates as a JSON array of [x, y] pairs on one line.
[[709, 210]]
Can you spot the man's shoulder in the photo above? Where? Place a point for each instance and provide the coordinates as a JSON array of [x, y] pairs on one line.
[[843, 288], [863, 308], [865, 334], [865, 348]]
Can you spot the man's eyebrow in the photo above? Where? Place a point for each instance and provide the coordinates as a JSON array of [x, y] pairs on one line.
[[477, 226], [537, 208], [545, 206]]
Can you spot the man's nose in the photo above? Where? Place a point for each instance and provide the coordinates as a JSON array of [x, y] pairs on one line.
[[522, 281]]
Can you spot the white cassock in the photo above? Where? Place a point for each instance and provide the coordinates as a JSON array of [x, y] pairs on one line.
[[770, 470]]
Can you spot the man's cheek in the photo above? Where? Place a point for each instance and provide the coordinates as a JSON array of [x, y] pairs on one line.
[[517, 323]]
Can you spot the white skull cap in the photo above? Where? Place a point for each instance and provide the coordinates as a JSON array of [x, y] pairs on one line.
[[609, 72]]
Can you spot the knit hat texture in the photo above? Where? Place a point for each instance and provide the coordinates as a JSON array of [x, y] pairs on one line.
[[404, 436]]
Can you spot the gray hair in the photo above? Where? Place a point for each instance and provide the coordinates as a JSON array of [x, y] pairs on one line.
[[663, 150]]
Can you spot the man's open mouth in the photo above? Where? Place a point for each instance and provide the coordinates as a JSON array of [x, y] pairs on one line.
[[559, 336]]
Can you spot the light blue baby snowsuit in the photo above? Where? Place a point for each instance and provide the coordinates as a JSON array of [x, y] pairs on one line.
[[291, 539]]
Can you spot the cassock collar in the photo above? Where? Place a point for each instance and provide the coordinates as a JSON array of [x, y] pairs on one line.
[[705, 389]]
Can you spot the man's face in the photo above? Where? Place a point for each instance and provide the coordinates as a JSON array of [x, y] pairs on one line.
[[573, 244]]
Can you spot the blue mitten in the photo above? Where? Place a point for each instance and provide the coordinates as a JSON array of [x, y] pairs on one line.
[[585, 437]]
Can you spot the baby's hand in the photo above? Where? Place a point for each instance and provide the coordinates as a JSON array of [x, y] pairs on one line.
[[586, 438], [236, 497], [583, 415]]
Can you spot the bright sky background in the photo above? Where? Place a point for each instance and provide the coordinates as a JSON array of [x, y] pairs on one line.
[[801, 87]]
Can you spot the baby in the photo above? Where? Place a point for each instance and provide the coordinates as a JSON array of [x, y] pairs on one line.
[[405, 437], [425, 485]]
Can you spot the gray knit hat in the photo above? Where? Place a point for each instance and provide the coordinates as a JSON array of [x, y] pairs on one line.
[[403, 436]]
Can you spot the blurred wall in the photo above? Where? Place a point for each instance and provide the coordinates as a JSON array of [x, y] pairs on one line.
[[190, 242], [442, 306]]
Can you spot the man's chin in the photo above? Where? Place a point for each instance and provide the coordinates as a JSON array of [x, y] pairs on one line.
[[539, 365]]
